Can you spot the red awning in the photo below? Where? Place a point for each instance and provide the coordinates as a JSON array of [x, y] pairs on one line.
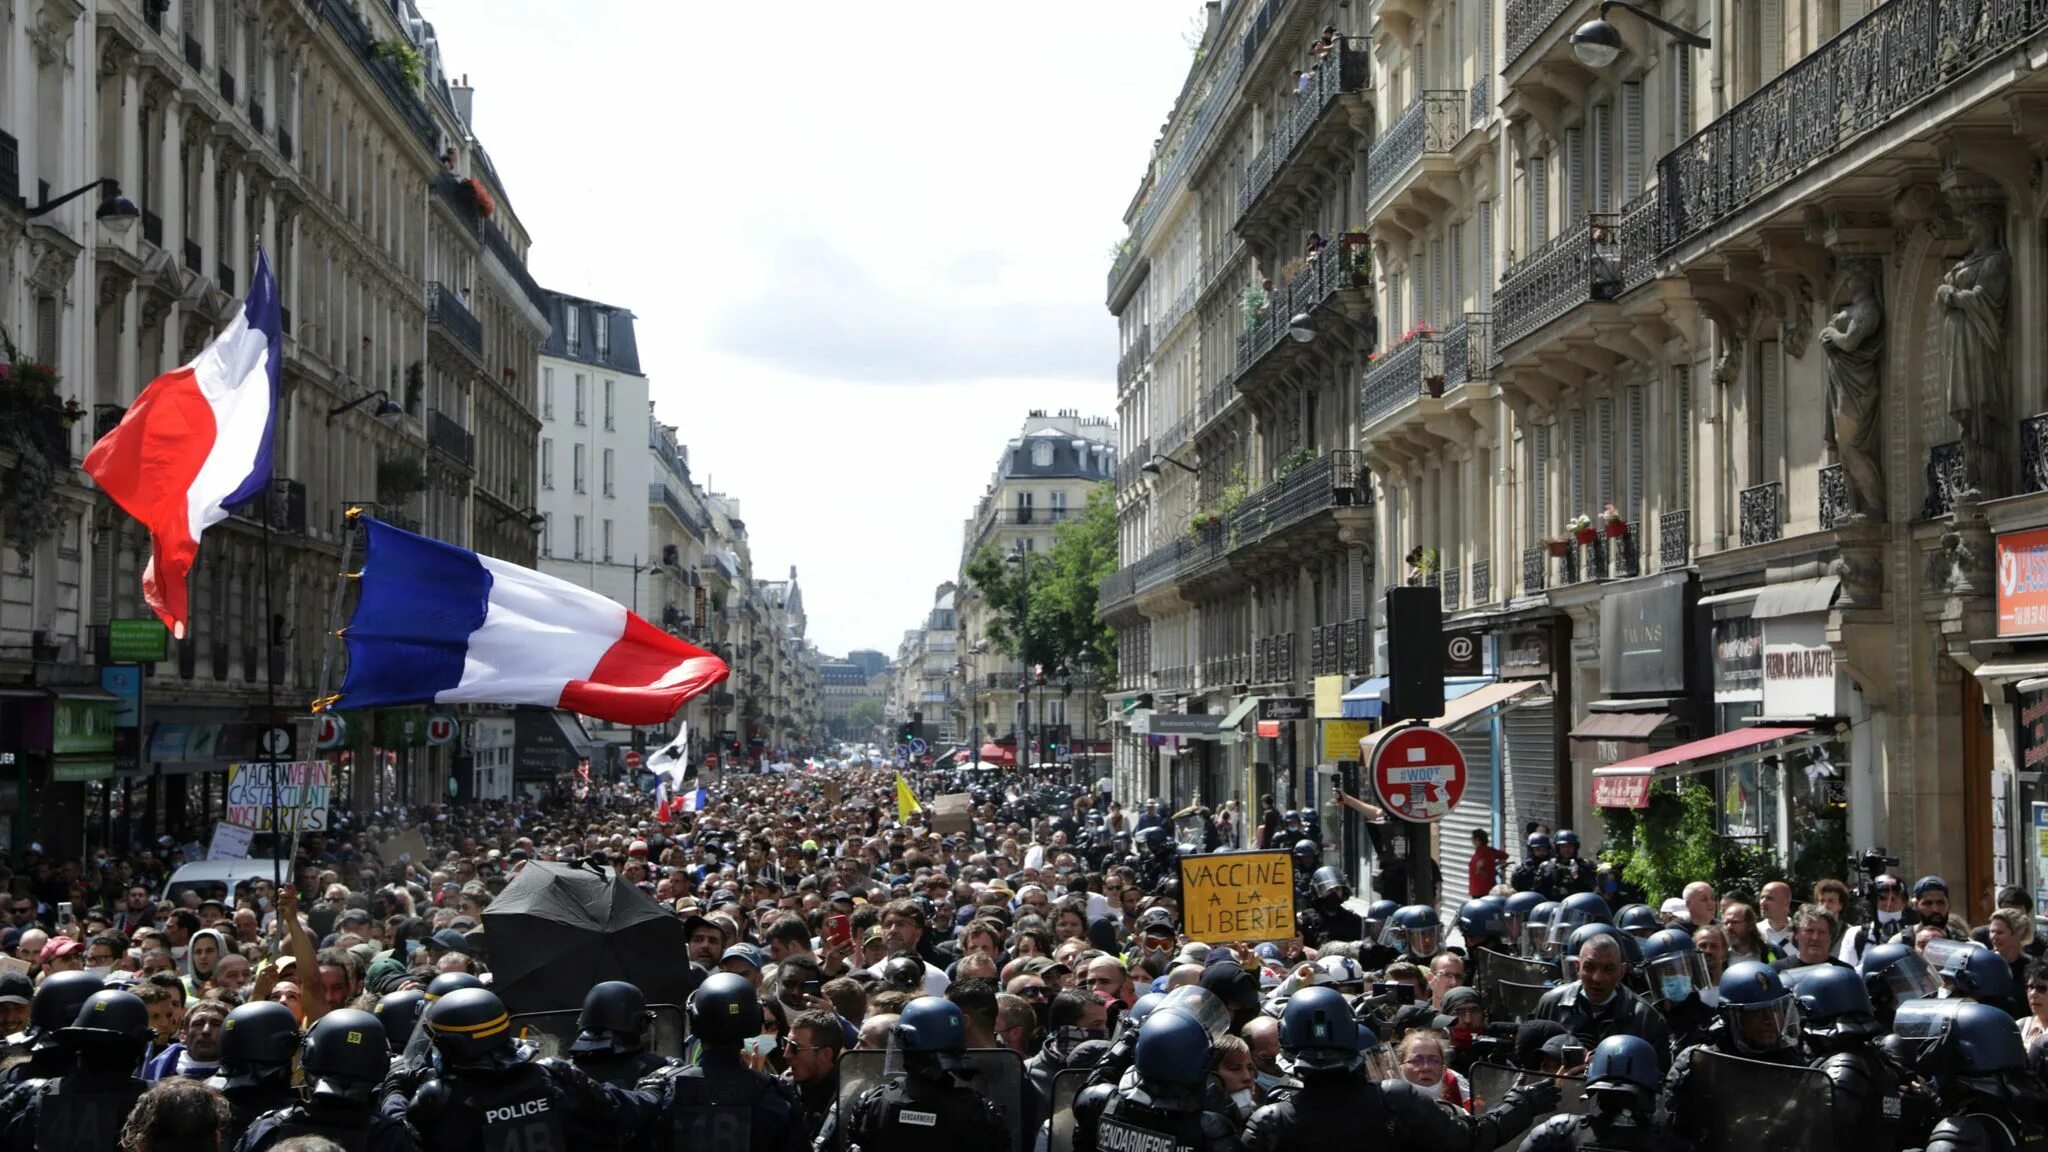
[[997, 754], [1712, 752]]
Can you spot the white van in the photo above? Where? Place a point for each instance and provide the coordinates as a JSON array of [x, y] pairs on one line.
[[216, 879]]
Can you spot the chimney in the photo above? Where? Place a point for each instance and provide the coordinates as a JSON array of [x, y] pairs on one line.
[[463, 95]]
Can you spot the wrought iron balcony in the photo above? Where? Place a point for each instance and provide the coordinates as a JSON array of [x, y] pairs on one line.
[[1624, 557], [2034, 454], [1482, 583], [445, 308], [105, 418], [1526, 22], [1905, 53], [1834, 496], [1331, 480], [1944, 479], [282, 506], [1401, 376], [1133, 359], [1468, 350], [1762, 512], [1342, 265], [1642, 235], [10, 168], [1432, 126], [1535, 563], [1450, 587], [1344, 70], [1578, 266], [446, 434], [1674, 539]]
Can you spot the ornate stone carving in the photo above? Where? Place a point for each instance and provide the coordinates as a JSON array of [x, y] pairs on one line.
[[1854, 342], [1971, 302]]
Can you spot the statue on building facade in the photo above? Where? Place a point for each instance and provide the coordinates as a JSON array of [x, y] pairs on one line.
[[1854, 340], [1972, 303]]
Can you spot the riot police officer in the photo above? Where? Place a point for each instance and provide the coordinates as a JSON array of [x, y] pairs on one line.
[[1416, 931], [1638, 920], [1519, 908], [1894, 974], [1373, 949], [1334, 921], [1759, 1020], [1156, 855], [1306, 853], [719, 1104], [1974, 1056], [1839, 1025], [1527, 876], [345, 1054], [1123, 1043], [55, 1006], [1621, 1081], [256, 1045], [1564, 873], [611, 1041], [488, 1096], [1482, 925], [398, 1013], [82, 1110], [1336, 1107], [1160, 1101], [1675, 975], [925, 1107]]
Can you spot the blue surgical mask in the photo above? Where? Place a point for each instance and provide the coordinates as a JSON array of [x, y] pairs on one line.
[[760, 1045], [1675, 988]]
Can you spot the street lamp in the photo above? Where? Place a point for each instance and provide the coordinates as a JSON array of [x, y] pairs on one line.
[[1301, 331], [385, 410], [1017, 557], [1151, 467], [1597, 43], [117, 212], [534, 519]]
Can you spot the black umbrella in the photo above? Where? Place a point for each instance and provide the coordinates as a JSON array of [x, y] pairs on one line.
[[558, 930]]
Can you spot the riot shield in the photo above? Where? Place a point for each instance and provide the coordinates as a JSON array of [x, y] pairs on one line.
[[1761, 1105], [1066, 1084], [551, 1033], [997, 1074], [1508, 1001], [1491, 1083]]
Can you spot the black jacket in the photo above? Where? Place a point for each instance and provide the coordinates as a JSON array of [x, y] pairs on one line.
[[1623, 1015], [1342, 1110]]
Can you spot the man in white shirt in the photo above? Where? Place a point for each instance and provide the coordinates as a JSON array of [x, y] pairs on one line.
[[903, 930], [1774, 903]]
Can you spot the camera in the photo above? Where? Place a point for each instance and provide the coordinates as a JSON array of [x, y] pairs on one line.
[[1396, 993], [1875, 863]]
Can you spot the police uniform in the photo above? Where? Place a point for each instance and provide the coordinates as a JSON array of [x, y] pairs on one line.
[[1618, 1131], [534, 1106], [246, 1104], [79, 1112], [721, 1105], [354, 1128], [1336, 923], [1348, 1111], [1978, 1132], [1558, 879], [1867, 1104], [1528, 876], [619, 1069], [1125, 1118], [920, 1113]]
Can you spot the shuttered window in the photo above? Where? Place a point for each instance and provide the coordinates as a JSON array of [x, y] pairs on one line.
[[1574, 177], [1771, 412], [1438, 309], [1456, 302], [1577, 463], [1771, 49], [1603, 455], [1486, 276], [1633, 143], [1539, 483], [1603, 158], [1679, 494], [1633, 499], [1539, 203], [1681, 99]]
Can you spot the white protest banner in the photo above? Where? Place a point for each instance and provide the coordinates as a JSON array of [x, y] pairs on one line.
[[303, 790], [230, 842]]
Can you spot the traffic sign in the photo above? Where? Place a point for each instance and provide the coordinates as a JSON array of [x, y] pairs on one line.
[[918, 746], [632, 758], [1418, 773]]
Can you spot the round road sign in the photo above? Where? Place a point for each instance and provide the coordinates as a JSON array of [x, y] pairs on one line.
[[1419, 773], [632, 758]]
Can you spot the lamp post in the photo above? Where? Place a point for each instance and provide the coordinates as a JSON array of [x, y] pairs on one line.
[[385, 410], [1598, 44], [116, 212], [1017, 557]]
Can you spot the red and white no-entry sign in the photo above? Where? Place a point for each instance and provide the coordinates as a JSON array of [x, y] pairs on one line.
[[632, 758], [1419, 773]]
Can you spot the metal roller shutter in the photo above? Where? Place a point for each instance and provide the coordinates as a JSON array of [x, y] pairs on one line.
[[1454, 831], [1531, 784]]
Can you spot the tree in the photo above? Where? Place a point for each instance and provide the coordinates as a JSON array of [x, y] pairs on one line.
[[864, 715], [1057, 588]]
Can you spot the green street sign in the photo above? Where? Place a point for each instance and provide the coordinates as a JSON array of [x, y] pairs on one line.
[[137, 641], [65, 770]]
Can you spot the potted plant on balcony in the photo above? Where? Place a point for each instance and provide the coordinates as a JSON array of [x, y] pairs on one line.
[[1292, 461], [1556, 545], [481, 197], [1612, 523], [34, 427], [1356, 237], [1581, 528]]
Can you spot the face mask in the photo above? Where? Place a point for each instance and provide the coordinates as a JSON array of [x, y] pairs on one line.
[[760, 1045], [1711, 997], [101, 973], [1270, 1081], [1675, 988], [1243, 1100], [1461, 1037], [1884, 917]]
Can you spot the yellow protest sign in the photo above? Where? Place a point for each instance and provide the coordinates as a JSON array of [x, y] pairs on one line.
[[1231, 896], [1341, 737]]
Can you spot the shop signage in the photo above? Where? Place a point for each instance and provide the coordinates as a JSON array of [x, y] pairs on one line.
[[1799, 667], [137, 641], [125, 682], [1622, 791], [1283, 708], [81, 727], [72, 770], [440, 729], [331, 731], [1463, 655], [1643, 636], [1525, 654], [541, 750], [1268, 729], [1738, 656], [2032, 737], [1329, 697], [1185, 724], [2022, 559], [2040, 830], [1341, 737]]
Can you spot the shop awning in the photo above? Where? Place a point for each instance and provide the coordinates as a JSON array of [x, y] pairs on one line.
[[1236, 716], [1365, 701], [1796, 597], [1715, 751], [1631, 726], [2027, 673], [1482, 703]]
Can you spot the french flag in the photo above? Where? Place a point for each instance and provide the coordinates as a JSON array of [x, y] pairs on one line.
[[696, 799], [196, 443], [434, 623]]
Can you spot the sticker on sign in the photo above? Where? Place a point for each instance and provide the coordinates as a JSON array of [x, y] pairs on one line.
[[1238, 896]]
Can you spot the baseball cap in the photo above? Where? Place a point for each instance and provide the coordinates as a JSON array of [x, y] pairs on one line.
[[16, 988], [1927, 884], [447, 940], [58, 947], [746, 953]]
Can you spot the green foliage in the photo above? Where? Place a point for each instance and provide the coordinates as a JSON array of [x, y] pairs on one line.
[[864, 715], [1293, 460], [1057, 589], [31, 417], [1667, 845], [399, 477], [403, 58]]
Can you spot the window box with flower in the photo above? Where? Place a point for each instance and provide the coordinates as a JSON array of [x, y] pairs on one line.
[[35, 429], [1613, 523], [1580, 528], [481, 197]]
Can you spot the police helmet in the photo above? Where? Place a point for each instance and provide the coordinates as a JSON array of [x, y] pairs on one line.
[[614, 1018], [1536, 941], [1638, 920], [1517, 908], [1833, 1000], [1673, 966], [1959, 1038], [1305, 851], [1575, 911], [1631, 948], [1895, 974], [1376, 916], [1539, 843], [1416, 929], [1625, 1066], [1143, 1007], [57, 1001], [1974, 970], [256, 1041], [398, 1013], [1760, 1014], [1206, 1007], [448, 982], [1155, 837], [903, 973], [724, 1011], [471, 1029], [1318, 1032], [1485, 916], [1156, 920], [1566, 838], [111, 1018], [345, 1054], [932, 1026], [1173, 1049], [1328, 881]]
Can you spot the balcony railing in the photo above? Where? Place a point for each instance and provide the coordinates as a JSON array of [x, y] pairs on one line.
[[1342, 71], [282, 506], [445, 307], [1412, 369], [1834, 496], [1526, 20], [1450, 586], [1133, 360], [1674, 540], [1342, 265], [447, 435], [1273, 659], [1762, 513], [1642, 237], [1944, 479], [1332, 480], [1534, 563], [357, 35], [1577, 266], [1468, 350], [10, 168], [2034, 454], [105, 418], [495, 241], [1479, 102], [1902, 55], [1431, 126], [1482, 583]]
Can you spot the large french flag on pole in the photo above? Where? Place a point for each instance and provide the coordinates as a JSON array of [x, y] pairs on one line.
[[195, 443], [438, 624]]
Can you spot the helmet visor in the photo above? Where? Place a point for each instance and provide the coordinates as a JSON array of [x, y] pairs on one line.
[[1676, 976], [1911, 978], [1422, 939], [1759, 1028], [1205, 1006]]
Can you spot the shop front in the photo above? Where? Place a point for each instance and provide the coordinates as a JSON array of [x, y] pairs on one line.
[[1649, 671], [1532, 735], [2014, 679]]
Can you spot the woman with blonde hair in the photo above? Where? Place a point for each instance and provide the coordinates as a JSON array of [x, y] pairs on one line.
[[1424, 1063]]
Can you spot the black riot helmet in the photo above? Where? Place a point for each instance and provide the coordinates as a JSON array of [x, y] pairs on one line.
[[57, 1002], [1624, 1073], [1328, 882], [724, 1011], [399, 1012], [1306, 853], [614, 1019], [904, 973], [448, 982], [345, 1055], [111, 1030], [256, 1044], [471, 1030]]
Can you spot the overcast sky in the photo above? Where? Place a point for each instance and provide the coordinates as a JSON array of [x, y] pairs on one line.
[[861, 241]]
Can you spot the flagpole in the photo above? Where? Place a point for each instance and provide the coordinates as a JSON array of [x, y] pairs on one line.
[[323, 701], [270, 701]]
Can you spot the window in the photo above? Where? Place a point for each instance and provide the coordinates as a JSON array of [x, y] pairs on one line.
[[606, 464], [1539, 203], [1539, 483], [547, 393], [1678, 493], [547, 534], [547, 462], [1575, 489], [572, 335], [1486, 256], [1041, 453], [1632, 148], [1023, 507], [605, 529], [610, 391], [579, 468], [579, 537], [582, 400], [1574, 175], [1059, 506], [603, 325]]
